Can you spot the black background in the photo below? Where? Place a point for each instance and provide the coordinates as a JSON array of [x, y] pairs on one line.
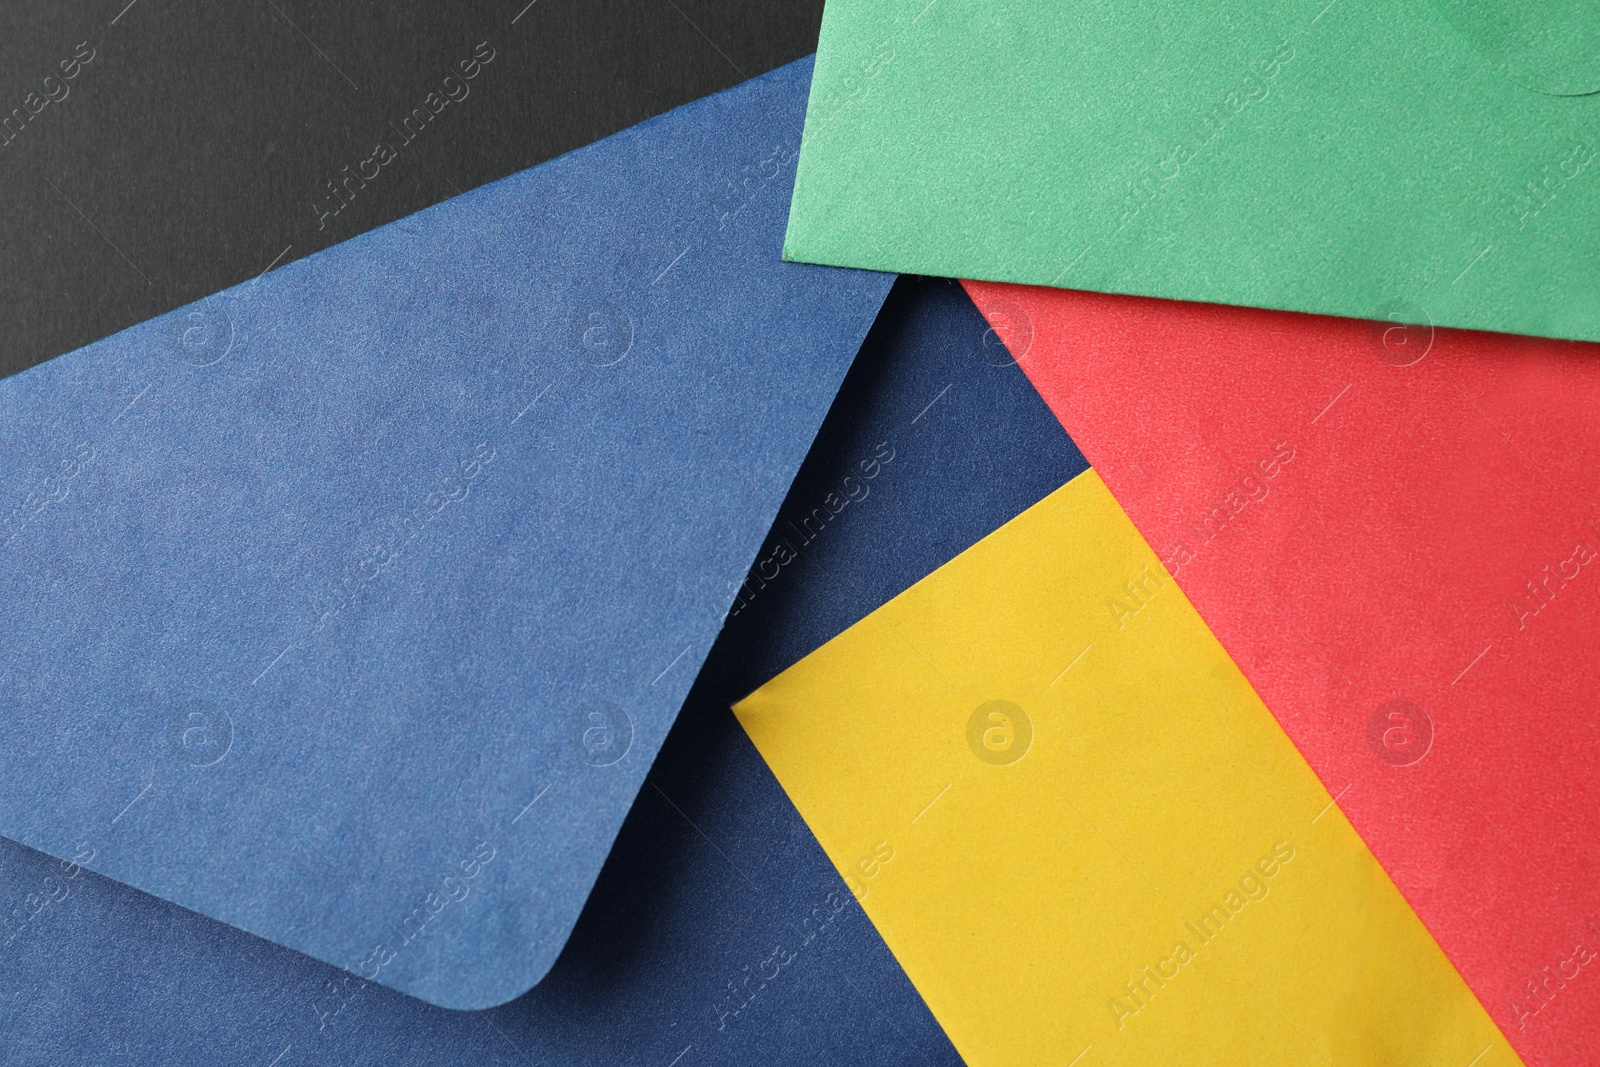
[[190, 151]]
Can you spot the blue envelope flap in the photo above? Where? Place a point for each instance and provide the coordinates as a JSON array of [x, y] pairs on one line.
[[718, 931], [351, 605]]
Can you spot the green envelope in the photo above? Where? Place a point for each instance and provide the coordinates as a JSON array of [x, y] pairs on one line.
[[1432, 161]]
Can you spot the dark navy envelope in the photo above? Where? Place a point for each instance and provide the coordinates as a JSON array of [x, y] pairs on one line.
[[718, 931], [350, 606]]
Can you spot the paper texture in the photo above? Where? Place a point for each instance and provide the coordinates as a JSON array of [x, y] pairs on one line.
[[1392, 531], [1353, 158], [199, 144], [1083, 836], [351, 605], [718, 930]]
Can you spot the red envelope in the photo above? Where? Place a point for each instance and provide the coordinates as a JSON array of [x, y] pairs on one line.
[[1395, 532]]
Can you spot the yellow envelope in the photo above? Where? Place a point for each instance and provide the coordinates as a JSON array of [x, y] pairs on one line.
[[1083, 835]]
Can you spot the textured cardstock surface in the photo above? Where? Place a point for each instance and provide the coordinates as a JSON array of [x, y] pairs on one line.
[[158, 153], [1084, 836], [376, 583], [718, 930], [1413, 160], [1394, 533]]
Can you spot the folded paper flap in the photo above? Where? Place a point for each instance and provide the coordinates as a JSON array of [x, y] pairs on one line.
[[1549, 46], [1005, 768], [931, 444], [1391, 529], [717, 921], [351, 605], [1304, 157]]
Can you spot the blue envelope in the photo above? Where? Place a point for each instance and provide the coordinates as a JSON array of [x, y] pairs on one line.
[[351, 606], [718, 931]]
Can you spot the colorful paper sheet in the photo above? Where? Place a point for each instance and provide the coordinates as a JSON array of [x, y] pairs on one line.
[[1082, 834], [1394, 532], [350, 606], [155, 154], [718, 930], [1415, 160], [739, 946]]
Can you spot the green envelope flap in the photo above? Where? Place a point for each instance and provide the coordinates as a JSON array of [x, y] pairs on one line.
[[1341, 157]]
